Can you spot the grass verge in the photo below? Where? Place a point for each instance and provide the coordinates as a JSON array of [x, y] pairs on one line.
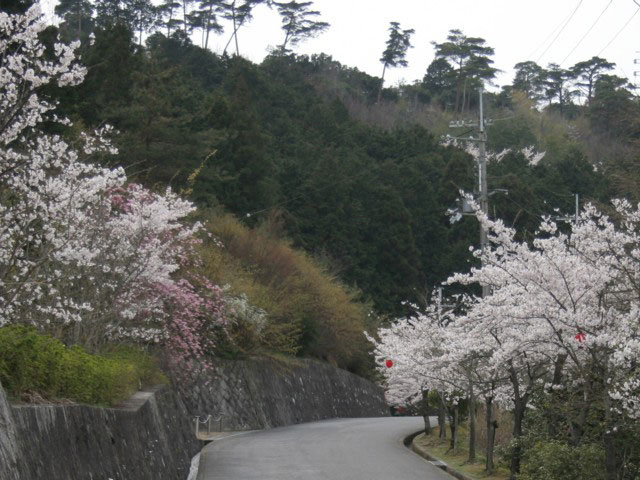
[[440, 449]]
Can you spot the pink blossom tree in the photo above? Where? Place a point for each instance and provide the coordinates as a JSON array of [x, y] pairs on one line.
[[83, 254]]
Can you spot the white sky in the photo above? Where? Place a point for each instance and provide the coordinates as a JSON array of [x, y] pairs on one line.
[[518, 30]]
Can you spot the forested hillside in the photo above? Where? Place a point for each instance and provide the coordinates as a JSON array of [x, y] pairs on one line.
[[364, 184]]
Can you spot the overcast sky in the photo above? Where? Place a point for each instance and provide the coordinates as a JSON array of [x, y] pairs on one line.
[[560, 31]]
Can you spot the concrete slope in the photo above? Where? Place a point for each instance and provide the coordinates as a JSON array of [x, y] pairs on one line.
[[343, 449]]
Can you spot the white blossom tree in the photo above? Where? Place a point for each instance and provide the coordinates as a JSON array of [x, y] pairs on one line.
[[83, 254]]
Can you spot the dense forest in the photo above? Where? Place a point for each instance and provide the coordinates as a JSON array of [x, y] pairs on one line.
[[360, 182]]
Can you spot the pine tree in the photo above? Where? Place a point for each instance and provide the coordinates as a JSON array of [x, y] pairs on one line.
[[529, 79], [588, 72], [471, 58], [77, 17], [395, 54], [298, 23], [238, 12]]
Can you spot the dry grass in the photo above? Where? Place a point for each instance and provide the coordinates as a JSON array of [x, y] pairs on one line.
[[441, 450], [309, 310], [503, 433]]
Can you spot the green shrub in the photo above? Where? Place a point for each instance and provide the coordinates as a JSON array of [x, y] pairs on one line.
[[35, 363], [307, 310], [29, 361], [554, 460]]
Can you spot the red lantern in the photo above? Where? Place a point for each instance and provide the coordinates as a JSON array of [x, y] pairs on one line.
[[389, 363]]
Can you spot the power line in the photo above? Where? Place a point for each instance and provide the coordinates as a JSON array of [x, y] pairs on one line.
[[561, 30], [548, 37], [587, 32], [620, 31]]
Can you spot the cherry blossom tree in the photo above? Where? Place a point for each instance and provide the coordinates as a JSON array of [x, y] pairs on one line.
[[565, 307], [83, 254], [561, 322]]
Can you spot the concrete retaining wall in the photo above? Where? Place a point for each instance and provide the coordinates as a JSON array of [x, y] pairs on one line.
[[152, 437], [264, 393], [149, 438]]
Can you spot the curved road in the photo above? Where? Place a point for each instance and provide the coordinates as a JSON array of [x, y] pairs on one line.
[[342, 449]]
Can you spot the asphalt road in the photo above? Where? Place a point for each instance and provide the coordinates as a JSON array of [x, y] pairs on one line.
[[342, 449]]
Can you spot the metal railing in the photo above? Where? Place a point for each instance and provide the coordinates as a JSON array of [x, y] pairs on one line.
[[208, 420]]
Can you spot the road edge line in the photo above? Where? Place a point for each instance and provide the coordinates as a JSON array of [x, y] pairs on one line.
[[411, 445]]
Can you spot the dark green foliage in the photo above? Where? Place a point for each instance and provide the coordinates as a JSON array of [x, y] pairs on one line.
[[529, 78], [15, 6], [558, 87], [554, 460], [298, 23], [77, 16], [31, 364], [588, 72], [279, 137], [470, 60], [613, 111]]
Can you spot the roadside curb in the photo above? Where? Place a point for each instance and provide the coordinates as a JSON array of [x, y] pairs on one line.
[[411, 444], [204, 453]]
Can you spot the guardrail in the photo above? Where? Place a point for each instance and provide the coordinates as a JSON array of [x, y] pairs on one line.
[[208, 420]]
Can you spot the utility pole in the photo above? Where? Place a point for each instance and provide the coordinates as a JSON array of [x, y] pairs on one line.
[[576, 215], [483, 193], [482, 174], [442, 306]]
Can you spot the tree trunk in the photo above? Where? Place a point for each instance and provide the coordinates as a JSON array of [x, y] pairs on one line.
[[208, 27], [577, 427], [458, 82], [491, 433], [520, 405], [442, 423], [425, 412], [79, 20], [453, 425], [384, 69], [472, 424], [169, 22], [551, 414], [184, 16], [611, 456], [518, 415], [427, 424], [464, 96], [235, 29]]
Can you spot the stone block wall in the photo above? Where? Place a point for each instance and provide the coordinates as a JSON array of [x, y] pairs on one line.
[[152, 436], [264, 392], [149, 438]]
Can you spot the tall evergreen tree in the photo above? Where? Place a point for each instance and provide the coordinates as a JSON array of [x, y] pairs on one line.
[[440, 82], [396, 52], [205, 18], [470, 57], [77, 17], [529, 79], [558, 86], [112, 12], [168, 14], [144, 16], [298, 22], [238, 12], [587, 73]]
